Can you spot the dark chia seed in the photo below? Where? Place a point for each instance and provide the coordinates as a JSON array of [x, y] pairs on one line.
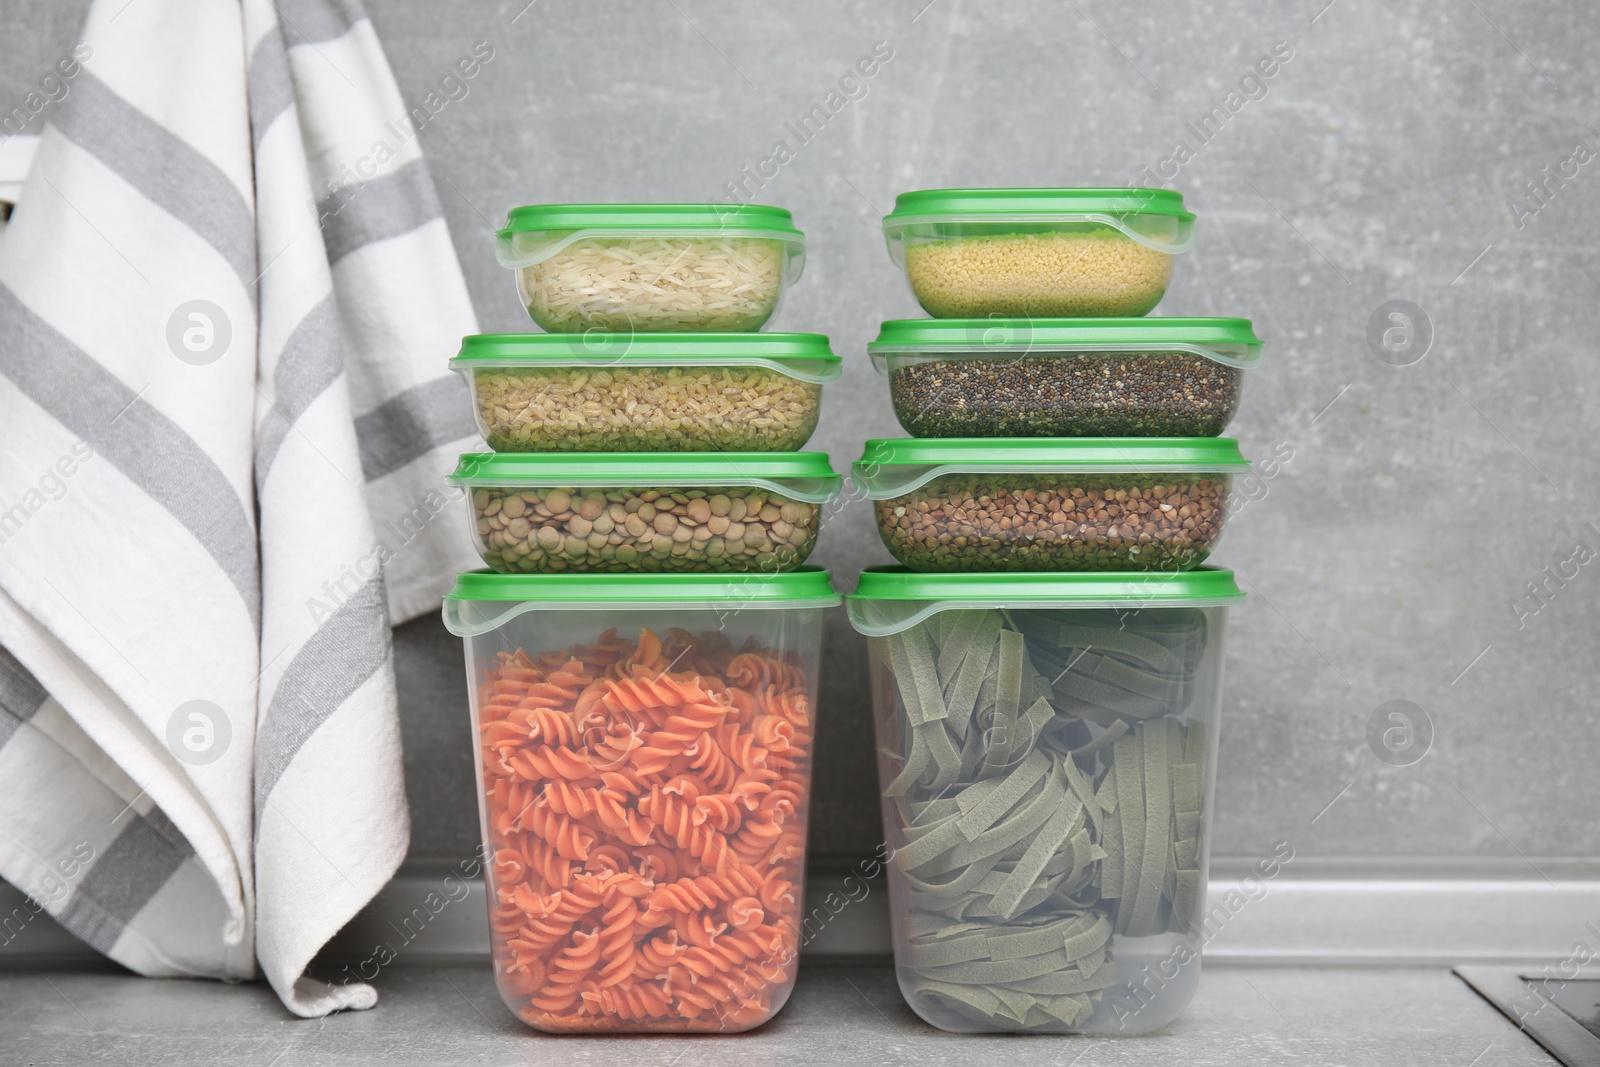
[[1067, 394]]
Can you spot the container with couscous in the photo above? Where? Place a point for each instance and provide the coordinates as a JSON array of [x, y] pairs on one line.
[[1038, 252]]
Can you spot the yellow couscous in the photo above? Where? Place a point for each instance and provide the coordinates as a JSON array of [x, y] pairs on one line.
[[1059, 274]]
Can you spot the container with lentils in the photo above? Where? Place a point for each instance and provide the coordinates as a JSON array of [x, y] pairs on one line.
[[647, 392], [1038, 252], [645, 512], [1050, 504], [1124, 377]]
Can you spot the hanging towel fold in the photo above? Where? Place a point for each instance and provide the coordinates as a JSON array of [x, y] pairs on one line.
[[226, 298]]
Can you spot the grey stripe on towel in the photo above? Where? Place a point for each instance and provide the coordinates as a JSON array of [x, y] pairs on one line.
[[361, 214], [315, 21], [165, 168], [21, 695], [414, 423], [311, 361], [124, 878], [350, 647], [270, 88], [150, 449]]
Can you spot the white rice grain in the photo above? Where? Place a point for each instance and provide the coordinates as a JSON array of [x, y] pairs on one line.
[[656, 283]]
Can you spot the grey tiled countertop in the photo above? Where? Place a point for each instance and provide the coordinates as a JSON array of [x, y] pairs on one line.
[[442, 1016]]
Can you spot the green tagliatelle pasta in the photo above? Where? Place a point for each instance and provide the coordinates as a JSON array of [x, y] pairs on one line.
[[1120, 673], [1050, 800], [1153, 790], [1030, 973]]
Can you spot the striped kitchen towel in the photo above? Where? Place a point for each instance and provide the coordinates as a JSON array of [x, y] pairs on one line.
[[226, 299]]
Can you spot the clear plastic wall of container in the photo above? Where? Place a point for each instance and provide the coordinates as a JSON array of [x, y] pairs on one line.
[[644, 764], [1046, 749]]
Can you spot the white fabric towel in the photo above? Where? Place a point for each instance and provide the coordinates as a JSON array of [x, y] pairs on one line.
[[227, 414]]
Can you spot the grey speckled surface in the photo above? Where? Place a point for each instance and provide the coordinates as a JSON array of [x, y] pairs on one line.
[[453, 1016], [1379, 165]]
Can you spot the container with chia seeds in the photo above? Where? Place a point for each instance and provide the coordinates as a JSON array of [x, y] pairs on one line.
[[1090, 377], [1040, 252], [1050, 504]]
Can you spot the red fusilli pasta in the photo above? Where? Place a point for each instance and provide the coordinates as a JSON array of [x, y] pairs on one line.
[[645, 803]]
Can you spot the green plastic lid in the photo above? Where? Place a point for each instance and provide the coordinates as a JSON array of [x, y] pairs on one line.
[[803, 476], [805, 356], [934, 204], [802, 583], [1230, 341], [894, 466], [534, 233], [482, 600], [891, 599], [717, 218], [1156, 218]]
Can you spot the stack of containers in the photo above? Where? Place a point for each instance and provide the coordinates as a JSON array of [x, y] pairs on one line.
[[1047, 663], [643, 652]]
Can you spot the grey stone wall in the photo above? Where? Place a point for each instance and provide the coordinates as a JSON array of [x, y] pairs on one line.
[[1387, 159]]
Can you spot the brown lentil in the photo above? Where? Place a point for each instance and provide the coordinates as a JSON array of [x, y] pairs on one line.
[[1065, 274], [689, 409], [543, 530], [1035, 522], [1067, 394]]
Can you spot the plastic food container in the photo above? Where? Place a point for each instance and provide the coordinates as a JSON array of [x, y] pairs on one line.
[[695, 392], [644, 771], [1038, 252], [1046, 747], [1050, 504], [651, 267], [642, 511], [1155, 377]]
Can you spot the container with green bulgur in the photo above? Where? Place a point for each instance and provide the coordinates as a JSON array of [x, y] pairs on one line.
[[1038, 252], [1050, 504], [645, 512], [1124, 377], [647, 392]]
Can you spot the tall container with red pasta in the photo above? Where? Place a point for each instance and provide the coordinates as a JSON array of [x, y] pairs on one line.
[[644, 767]]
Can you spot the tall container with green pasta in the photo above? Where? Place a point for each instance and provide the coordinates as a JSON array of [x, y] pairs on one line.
[[1046, 747]]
